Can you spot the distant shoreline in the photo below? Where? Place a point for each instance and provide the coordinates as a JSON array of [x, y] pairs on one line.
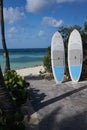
[[24, 49], [24, 58]]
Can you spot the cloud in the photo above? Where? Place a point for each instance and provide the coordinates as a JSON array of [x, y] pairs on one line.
[[52, 22], [35, 6], [41, 33], [13, 32], [13, 14], [63, 1]]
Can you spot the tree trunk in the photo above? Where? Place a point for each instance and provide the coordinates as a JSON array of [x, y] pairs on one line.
[[7, 64]]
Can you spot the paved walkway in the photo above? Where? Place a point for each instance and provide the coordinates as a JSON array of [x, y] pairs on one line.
[[58, 107]]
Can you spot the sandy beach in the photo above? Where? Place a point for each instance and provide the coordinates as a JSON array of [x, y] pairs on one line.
[[33, 71]]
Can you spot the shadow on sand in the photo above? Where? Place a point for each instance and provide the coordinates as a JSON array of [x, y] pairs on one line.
[[33, 77], [37, 97], [75, 122]]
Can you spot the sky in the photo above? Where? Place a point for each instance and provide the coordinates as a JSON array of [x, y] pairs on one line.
[[31, 23]]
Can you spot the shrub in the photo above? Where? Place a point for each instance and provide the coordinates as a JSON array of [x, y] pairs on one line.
[[11, 121], [47, 60], [17, 86]]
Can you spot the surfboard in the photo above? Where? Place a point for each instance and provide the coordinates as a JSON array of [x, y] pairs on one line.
[[75, 55], [57, 57]]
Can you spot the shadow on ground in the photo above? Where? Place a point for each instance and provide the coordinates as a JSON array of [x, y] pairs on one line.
[[76, 122], [37, 97], [32, 77]]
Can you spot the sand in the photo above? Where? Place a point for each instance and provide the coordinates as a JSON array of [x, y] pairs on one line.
[[33, 71], [55, 106]]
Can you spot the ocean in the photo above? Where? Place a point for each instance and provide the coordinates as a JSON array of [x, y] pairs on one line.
[[22, 58]]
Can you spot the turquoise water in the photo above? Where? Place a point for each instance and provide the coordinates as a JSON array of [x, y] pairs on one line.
[[22, 58]]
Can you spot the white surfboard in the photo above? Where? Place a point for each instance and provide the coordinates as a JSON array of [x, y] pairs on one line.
[[75, 55], [57, 57]]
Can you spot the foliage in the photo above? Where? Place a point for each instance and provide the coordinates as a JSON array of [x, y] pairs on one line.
[[85, 26], [11, 121], [17, 86], [47, 60]]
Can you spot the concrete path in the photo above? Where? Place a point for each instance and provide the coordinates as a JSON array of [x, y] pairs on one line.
[[58, 107]]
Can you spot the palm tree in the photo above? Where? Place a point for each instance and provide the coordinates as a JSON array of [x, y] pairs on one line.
[[5, 99], [7, 65]]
